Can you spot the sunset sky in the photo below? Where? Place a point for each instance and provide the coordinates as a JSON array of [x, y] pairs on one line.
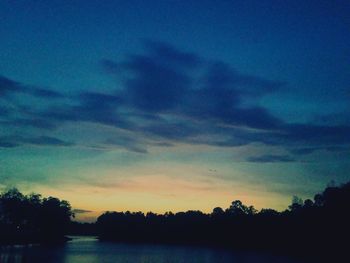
[[174, 105]]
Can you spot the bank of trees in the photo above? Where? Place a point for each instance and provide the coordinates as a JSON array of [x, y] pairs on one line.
[[31, 218], [312, 226]]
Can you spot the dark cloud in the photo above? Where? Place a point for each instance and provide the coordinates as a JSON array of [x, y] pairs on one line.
[[98, 107], [81, 211], [189, 89], [35, 123], [172, 56], [45, 93], [339, 117], [110, 66], [9, 87], [162, 144], [5, 144], [129, 143], [47, 140], [254, 117], [153, 86], [166, 80], [222, 75], [90, 107], [176, 131], [309, 133], [309, 150], [15, 141], [301, 135], [4, 111], [304, 150], [167, 95], [270, 159]]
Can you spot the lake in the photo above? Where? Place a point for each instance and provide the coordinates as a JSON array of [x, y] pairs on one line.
[[90, 250]]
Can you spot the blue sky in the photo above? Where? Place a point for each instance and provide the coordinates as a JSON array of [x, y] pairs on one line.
[[160, 104]]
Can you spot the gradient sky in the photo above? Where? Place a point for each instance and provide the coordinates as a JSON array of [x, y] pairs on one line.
[[174, 105]]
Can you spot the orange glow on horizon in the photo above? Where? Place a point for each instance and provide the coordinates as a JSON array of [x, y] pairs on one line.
[[160, 194]]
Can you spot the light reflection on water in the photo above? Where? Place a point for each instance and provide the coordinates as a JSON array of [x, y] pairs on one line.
[[90, 250]]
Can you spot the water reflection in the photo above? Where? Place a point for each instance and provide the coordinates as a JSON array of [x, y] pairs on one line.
[[32, 253], [88, 249]]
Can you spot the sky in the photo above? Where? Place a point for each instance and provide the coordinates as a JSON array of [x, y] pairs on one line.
[[174, 105]]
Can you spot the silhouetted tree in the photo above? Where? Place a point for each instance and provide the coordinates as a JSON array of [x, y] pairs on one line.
[[297, 203], [268, 212], [31, 218], [237, 208], [217, 211]]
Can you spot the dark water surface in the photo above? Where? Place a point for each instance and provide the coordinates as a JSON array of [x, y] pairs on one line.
[[90, 250]]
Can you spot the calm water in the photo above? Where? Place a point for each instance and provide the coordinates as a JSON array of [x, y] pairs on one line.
[[90, 250]]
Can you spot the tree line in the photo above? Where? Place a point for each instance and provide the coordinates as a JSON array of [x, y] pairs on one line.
[[306, 227]]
